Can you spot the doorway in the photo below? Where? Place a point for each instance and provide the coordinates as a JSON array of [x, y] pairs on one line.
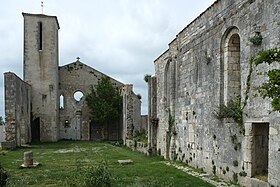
[[35, 130], [260, 150]]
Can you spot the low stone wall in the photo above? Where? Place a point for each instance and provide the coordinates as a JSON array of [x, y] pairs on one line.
[[137, 146], [8, 145]]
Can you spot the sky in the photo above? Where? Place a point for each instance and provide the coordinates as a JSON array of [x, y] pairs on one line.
[[120, 38]]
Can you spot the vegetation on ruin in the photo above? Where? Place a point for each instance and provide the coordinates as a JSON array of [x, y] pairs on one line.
[[232, 110], [87, 163], [147, 77], [104, 102], [139, 96], [1, 121], [271, 88], [257, 39], [171, 131], [141, 136]]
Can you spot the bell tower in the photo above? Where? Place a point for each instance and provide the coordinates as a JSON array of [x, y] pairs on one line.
[[40, 70]]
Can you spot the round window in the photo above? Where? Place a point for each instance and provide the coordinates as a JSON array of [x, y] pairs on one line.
[[78, 95]]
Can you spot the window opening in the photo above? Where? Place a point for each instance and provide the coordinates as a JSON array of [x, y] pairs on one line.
[[40, 36], [78, 95], [61, 102]]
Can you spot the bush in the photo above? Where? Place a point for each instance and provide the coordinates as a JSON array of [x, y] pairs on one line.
[[98, 176], [3, 176]]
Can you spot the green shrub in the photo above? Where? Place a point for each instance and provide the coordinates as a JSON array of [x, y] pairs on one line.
[[232, 110], [3, 176], [98, 176]]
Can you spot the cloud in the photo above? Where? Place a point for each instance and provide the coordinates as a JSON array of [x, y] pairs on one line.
[[120, 38]]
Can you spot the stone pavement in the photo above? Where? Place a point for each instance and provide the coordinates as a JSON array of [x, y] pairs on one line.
[[204, 176]]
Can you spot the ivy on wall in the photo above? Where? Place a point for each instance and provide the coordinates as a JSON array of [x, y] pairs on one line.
[[271, 88]]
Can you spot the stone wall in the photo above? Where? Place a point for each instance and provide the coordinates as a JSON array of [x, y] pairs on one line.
[[152, 113], [2, 133], [131, 112], [17, 110], [274, 150], [74, 120], [206, 66], [144, 123], [137, 146], [41, 72]]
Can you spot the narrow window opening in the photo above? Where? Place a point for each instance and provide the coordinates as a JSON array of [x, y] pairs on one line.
[[232, 76], [61, 102], [40, 36]]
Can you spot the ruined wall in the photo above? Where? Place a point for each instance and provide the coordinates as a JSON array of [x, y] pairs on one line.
[[137, 119], [75, 122], [201, 70], [17, 110], [274, 150], [41, 71], [144, 123], [131, 112], [2, 133], [152, 113]]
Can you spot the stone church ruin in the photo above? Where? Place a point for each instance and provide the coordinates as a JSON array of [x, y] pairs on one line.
[[49, 103], [206, 67]]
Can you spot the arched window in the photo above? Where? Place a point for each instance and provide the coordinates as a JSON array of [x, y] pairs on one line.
[[61, 102], [231, 74], [167, 83]]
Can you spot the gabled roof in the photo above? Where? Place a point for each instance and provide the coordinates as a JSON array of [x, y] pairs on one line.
[[79, 63]]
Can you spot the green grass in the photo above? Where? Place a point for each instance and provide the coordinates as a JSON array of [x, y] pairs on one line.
[[59, 161]]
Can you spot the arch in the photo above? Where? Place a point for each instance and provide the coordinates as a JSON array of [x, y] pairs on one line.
[[167, 83], [231, 76]]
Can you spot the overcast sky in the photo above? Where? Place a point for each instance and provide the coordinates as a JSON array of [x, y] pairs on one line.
[[120, 38]]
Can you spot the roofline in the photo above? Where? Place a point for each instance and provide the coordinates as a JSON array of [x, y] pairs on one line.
[[161, 55], [93, 69], [41, 15], [215, 2], [12, 73]]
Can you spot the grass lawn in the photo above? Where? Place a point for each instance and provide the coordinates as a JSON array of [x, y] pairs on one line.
[[59, 162]]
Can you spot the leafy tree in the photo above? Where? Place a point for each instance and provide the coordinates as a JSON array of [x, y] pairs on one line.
[[104, 102], [271, 88]]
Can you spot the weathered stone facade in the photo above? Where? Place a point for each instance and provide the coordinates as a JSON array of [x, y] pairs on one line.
[[17, 110], [132, 119], [75, 122], [49, 104], [206, 66], [41, 71]]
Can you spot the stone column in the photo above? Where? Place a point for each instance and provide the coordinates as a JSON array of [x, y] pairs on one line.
[[28, 158]]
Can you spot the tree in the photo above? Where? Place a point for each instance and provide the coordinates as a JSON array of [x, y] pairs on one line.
[[104, 102], [271, 88]]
